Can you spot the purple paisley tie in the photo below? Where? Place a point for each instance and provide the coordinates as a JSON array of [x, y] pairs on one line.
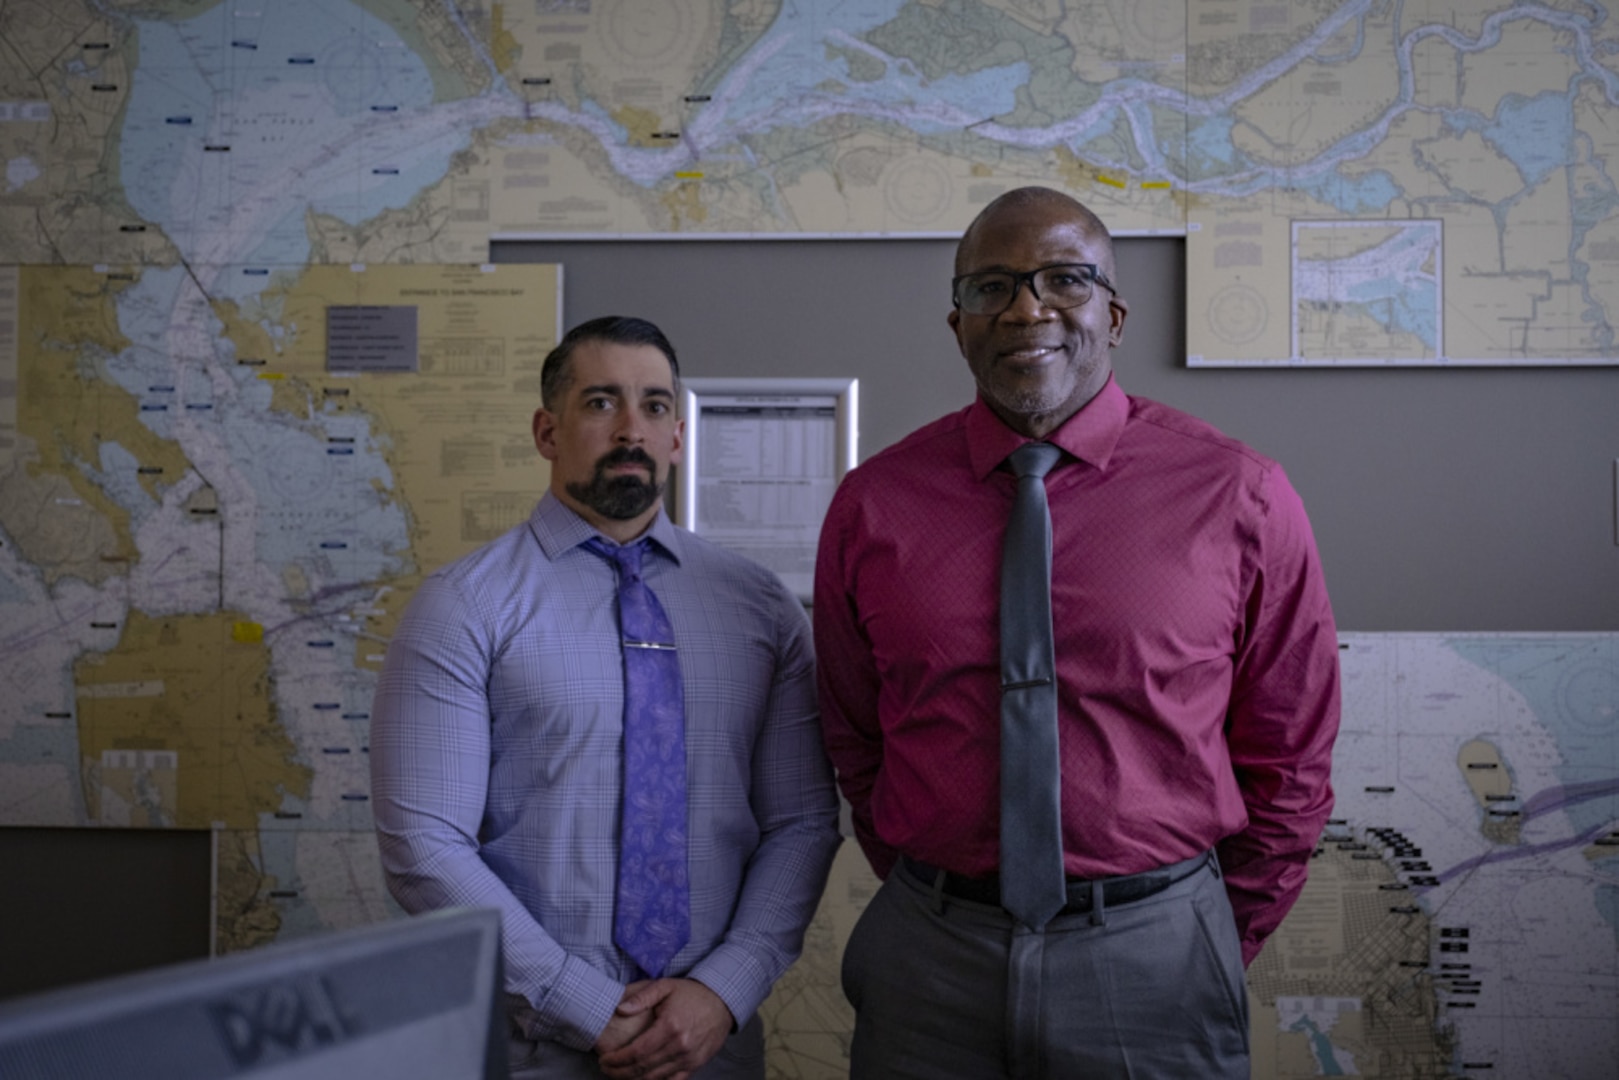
[[652, 919]]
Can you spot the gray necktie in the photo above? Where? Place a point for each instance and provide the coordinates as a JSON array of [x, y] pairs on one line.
[[1032, 880]]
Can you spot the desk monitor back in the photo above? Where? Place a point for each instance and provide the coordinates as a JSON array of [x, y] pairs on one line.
[[412, 999]]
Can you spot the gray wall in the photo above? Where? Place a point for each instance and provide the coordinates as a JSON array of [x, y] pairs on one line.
[[1463, 499]]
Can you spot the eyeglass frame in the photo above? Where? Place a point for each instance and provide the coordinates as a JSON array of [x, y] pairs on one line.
[[1018, 280]]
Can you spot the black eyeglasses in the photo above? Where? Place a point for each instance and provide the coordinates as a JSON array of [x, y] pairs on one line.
[[1059, 287]]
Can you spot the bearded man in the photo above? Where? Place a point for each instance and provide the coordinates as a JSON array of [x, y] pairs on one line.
[[605, 727]]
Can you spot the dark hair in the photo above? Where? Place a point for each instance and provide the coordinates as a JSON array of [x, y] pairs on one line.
[[616, 329]]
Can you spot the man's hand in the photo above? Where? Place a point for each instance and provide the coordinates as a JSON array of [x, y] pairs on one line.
[[625, 1025], [684, 1025]]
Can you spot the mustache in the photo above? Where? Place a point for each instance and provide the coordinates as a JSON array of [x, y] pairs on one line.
[[627, 455]]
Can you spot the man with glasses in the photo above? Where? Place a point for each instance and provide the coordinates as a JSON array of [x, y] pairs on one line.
[[1088, 816], [605, 727]]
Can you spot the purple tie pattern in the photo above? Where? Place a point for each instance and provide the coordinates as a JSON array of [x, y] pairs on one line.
[[652, 916]]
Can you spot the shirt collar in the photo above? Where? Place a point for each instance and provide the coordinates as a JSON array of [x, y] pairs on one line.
[[1089, 435], [559, 530]]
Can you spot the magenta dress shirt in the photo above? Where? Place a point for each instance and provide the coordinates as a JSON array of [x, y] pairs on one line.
[[1196, 651]]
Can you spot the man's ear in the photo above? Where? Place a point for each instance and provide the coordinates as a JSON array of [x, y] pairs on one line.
[[545, 433], [680, 442], [954, 319], [1117, 309]]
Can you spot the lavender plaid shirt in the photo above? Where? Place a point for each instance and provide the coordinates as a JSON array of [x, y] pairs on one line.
[[497, 769]]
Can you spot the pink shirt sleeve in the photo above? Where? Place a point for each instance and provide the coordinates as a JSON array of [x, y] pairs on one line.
[[849, 683], [1282, 721]]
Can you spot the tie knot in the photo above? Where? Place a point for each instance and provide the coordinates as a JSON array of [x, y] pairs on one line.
[[1033, 459], [627, 557]]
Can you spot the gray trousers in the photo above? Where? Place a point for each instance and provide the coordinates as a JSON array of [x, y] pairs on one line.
[[741, 1058], [1151, 990]]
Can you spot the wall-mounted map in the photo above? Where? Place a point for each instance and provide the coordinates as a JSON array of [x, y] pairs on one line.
[[1464, 145], [206, 536], [1379, 184]]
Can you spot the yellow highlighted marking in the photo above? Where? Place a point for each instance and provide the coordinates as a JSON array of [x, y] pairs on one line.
[[248, 633]]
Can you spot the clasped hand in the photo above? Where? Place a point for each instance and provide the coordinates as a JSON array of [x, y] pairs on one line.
[[663, 1029]]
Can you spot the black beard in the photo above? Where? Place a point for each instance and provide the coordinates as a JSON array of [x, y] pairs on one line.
[[619, 498]]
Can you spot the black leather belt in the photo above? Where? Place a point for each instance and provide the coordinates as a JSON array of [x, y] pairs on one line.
[[1115, 890]]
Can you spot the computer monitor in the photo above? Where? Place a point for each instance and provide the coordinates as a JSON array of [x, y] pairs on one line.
[[413, 999]]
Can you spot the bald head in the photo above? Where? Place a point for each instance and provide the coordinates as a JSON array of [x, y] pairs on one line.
[[1046, 203]]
